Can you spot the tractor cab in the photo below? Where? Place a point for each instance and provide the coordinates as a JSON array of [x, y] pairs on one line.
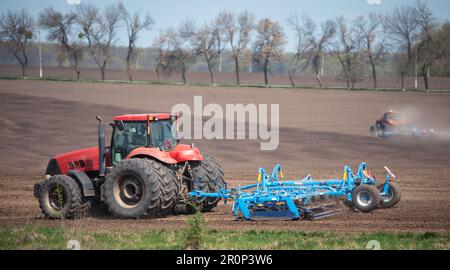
[[135, 131], [392, 118]]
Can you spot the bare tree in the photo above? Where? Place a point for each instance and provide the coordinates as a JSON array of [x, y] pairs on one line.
[[100, 32], [219, 27], [299, 25], [402, 26], [347, 51], [430, 47], [269, 44], [311, 44], [442, 64], [134, 25], [60, 28], [204, 42], [163, 46], [173, 54], [16, 31], [371, 33], [183, 56], [238, 32]]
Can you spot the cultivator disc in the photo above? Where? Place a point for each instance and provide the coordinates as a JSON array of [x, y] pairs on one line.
[[322, 211]]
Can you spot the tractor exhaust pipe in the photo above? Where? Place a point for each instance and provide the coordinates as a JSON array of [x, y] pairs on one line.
[[101, 147]]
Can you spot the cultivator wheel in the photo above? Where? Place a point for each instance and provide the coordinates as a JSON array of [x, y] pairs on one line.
[[137, 188], [366, 198], [208, 177], [60, 197], [392, 197]]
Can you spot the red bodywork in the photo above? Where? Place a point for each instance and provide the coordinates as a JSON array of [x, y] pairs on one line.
[[87, 160], [392, 119], [142, 117]]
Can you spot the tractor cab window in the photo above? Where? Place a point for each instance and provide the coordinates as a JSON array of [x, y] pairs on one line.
[[162, 135], [391, 116], [134, 135]]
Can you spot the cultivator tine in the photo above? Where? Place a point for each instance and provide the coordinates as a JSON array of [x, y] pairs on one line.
[[325, 214]]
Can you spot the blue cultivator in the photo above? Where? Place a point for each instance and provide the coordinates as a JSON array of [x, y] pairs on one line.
[[274, 197]]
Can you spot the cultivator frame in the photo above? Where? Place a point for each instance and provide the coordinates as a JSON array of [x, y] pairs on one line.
[[274, 197]]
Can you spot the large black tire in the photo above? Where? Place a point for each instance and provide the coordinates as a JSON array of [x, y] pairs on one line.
[[60, 197], [393, 197], [210, 179], [366, 198], [137, 188]]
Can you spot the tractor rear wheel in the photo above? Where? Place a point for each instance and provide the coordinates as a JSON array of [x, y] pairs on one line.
[[392, 197], [366, 198], [137, 188], [60, 197], [207, 176]]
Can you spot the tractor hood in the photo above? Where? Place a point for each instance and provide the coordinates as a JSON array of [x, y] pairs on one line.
[[85, 160], [183, 152], [180, 153]]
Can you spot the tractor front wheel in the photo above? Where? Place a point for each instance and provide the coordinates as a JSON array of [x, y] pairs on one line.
[[392, 197], [137, 188], [60, 197], [366, 198]]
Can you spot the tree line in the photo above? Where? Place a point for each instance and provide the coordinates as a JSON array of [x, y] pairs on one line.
[[410, 34]]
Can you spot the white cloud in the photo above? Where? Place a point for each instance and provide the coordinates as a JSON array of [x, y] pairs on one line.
[[73, 2], [374, 2]]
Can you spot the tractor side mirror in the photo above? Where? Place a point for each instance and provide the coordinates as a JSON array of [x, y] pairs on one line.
[[120, 126]]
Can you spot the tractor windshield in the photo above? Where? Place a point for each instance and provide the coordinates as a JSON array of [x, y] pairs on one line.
[[392, 116], [134, 135]]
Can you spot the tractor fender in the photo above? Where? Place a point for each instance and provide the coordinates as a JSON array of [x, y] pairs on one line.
[[152, 152], [84, 181]]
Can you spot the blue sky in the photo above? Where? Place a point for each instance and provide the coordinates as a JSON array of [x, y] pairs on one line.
[[172, 12]]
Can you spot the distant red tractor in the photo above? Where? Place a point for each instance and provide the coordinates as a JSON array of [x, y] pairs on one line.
[[393, 124], [144, 172]]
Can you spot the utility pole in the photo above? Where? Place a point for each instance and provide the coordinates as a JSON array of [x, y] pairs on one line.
[[250, 64], [137, 59], [40, 55], [323, 62], [416, 81]]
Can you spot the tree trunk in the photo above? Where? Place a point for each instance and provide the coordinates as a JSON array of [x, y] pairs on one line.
[[158, 75], [102, 71], [211, 71], [183, 74], [77, 70], [130, 51], [266, 79], [25, 64], [426, 78], [183, 77], [293, 69], [403, 81], [75, 66], [236, 69], [374, 72], [24, 70], [319, 80], [130, 77]]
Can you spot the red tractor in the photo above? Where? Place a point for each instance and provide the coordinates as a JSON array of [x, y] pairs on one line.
[[144, 172], [393, 124]]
